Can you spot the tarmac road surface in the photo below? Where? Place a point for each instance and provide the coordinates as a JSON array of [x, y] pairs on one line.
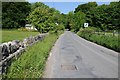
[[75, 57]]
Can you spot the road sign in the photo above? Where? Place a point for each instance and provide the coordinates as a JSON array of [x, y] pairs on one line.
[[85, 24]]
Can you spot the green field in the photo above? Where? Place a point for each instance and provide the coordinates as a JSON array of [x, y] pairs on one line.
[[32, 63], [8, 35]]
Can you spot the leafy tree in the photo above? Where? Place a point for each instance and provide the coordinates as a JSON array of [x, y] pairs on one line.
[[70, 21], [104, 17], [38, 17], [75, 21], [63, 19], [86, 7], [113, 20], [38, 4], [80, 19], [101, 17], [45, 19], [14, 14]]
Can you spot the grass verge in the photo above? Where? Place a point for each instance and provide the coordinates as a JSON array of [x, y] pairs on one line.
[[111, 42], [31, 64]]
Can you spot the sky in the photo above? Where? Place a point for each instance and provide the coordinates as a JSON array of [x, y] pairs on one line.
[[65, 7]]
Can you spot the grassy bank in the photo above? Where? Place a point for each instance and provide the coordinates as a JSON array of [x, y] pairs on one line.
[[111, 42], [8, 35], [32, 63]]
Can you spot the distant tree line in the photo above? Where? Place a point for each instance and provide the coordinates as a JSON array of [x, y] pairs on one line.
[[45, 19], [104, 17]]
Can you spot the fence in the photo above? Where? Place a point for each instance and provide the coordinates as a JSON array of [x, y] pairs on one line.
[[13, 49], [108, 33]]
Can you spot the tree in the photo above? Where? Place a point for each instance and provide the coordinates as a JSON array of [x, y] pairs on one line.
[[114, 19], [70, 21], [107, 16], [45, 19], [104, 17], [75, 21], [38, 17], [14, 14], [86, 7], [38, 4], [80, 19]]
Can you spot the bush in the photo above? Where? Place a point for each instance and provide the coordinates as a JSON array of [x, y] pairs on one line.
[[23, 29], [104, 40]]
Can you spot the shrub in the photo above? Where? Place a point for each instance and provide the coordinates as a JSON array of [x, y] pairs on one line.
[[104, 40]]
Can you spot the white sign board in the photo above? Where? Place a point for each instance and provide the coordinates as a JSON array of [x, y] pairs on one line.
[[85, 24]]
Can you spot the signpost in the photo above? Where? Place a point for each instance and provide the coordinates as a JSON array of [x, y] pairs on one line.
[[85, 24]]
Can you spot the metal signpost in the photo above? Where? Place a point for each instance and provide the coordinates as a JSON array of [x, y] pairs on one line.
[[85, 24]]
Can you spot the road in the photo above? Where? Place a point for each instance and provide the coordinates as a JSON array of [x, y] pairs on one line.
[[75, 57]]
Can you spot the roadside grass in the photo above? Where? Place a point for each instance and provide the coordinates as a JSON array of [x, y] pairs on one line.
[[109, 41], [8, 35], [32, 62]]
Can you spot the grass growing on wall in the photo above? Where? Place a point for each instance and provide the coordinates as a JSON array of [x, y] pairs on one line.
[[32, 63], [8, 35]]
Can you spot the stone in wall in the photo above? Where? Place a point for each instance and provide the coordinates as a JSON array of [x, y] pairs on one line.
[[14, 46], [21, 45], [5, 50], [35, 38], [25, 42], [39, 37], [0, 52], [28, 41]]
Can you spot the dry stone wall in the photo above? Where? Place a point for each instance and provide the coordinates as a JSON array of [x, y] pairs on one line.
[[15, 48]]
